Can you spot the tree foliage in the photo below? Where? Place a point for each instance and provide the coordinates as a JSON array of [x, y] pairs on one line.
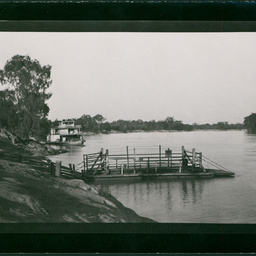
[[27, 83], [7, 110], [91, 124], [98, 124], [250, 122]]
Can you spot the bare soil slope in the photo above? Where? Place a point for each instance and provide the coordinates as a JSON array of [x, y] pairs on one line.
[[28, 193]]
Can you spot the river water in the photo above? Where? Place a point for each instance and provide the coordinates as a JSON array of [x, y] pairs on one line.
[[220, 200]]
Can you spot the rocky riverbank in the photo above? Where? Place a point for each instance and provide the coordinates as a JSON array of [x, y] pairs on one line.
[[29, 193]]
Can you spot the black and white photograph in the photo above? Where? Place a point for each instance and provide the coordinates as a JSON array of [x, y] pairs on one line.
[[115, 127]]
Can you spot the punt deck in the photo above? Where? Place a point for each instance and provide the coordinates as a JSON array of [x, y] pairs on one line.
[[165, 164]]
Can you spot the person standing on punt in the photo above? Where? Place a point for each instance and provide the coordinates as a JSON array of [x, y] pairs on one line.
[[184, 164]]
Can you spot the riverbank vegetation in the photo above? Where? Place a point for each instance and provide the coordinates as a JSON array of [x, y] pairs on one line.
[[250, 122], [98, 124], [23, 100]]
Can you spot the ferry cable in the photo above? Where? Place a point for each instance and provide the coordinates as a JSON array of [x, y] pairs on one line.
[[216, 164], [213, 163]]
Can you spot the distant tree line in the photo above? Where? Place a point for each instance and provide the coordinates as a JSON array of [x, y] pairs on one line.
[[98, 124], [250, 122], [218, 126]]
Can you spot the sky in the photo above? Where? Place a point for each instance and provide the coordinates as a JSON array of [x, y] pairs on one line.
[[193, 77]]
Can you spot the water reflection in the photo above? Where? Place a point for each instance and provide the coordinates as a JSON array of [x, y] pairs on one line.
[[214, 200], [158, 196], [185, 191], [169, 197]]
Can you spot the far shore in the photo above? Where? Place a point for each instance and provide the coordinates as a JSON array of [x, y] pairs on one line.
[[142, 131]]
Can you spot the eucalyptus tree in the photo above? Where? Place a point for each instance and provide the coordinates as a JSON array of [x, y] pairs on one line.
[[28, 82]]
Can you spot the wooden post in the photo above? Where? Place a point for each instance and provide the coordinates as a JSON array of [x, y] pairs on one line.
[[148, 165], [107, 162], [127, 152], [201, 158], [83, 170], [182, 156], [168, 155], [193, 156], [156, 167], [101, 158], [84, 161], [182, 152], [116, 164], [134, 161], [122, 169], [201, 161], [52, 168], [171, 158], [87, 167], [58, 169], [160, 156]]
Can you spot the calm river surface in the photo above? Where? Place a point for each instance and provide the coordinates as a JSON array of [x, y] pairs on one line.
[[222, 200]]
